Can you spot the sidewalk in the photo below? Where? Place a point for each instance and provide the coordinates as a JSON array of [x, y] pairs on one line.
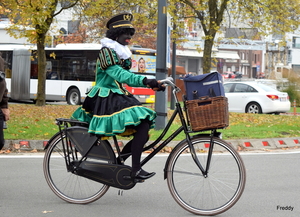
[[240, 144]]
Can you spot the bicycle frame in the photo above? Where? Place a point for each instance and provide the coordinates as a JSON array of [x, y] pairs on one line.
[[178, 111]]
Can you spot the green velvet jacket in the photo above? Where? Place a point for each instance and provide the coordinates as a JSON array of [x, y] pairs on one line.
[[111, 72]]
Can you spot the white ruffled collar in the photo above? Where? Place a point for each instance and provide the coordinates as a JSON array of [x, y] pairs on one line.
[[121, 50]]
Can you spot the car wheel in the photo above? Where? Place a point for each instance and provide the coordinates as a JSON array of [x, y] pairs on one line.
[[253, 107]]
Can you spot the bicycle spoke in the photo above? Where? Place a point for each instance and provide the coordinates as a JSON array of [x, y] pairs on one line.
[[188, 173], [65, 184], [211, 194]]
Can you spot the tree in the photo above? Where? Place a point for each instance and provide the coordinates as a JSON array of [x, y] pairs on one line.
[[269, 16], [33, 20], [95, 14], [36, 17]]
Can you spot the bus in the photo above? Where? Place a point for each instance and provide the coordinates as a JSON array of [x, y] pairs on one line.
[[70, 71], [143, 62]]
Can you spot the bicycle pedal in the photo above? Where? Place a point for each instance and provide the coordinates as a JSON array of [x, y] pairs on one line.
[[138, 180], [134, 180]]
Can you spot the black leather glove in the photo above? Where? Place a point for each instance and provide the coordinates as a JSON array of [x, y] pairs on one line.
[[150, 82], [161, 87], [153, 83]]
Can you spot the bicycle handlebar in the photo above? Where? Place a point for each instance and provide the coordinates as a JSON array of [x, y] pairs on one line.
[[168, 81]]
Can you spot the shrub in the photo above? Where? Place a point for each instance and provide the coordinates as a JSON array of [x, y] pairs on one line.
[[293, 88]]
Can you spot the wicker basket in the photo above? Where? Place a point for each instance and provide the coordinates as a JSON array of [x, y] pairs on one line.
[[208, 114]]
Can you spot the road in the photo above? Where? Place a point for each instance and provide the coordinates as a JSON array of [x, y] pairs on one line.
[[273, 180]]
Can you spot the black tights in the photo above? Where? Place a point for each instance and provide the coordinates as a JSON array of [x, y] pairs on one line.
[[135, 146]]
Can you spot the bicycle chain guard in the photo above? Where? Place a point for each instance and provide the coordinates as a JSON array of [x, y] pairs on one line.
[[110, 174], [104, 168]]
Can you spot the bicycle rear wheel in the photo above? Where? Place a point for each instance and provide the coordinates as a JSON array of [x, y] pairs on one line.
[[65, 184], [213, 194]]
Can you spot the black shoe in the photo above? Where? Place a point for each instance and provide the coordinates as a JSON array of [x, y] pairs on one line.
[[119, 161], [142, 175]]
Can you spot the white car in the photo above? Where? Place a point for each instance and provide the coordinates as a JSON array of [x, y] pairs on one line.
[[253, 97]]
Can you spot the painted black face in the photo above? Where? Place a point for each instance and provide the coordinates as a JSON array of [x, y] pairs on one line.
[[125, 35], [124, 39]]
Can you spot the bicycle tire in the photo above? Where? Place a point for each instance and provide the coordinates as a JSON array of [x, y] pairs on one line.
[[65, 184], [211, 195]]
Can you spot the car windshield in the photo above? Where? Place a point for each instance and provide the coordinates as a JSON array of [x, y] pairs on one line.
[[266, 88]]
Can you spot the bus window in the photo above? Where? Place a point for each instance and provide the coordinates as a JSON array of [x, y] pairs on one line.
[[75, 66], [50, 74], [71, 71], [7, 57]]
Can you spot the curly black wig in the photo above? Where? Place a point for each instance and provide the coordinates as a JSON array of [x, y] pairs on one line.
[[115, 33]]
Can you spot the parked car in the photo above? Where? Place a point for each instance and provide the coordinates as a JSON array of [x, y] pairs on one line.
[[253, 97], [238, 74], [227, 75]]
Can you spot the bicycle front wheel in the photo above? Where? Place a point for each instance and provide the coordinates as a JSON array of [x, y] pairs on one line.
[[64, 183], [211, 194]]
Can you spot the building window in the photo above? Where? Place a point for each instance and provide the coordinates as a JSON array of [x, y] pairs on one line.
[[193, 65], [296, 42], [181, 61], [289, 58], [296, 68]]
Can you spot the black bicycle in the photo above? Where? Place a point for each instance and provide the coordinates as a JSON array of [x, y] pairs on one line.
[[205, 174]]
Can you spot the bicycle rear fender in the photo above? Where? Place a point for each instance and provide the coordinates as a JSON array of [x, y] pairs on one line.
[[217, 134], [51, 140]]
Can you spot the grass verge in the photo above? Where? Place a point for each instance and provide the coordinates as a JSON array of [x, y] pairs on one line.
[[30, 122]]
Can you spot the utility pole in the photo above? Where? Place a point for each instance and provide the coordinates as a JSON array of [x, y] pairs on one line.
[[172, 104], [161, 65]]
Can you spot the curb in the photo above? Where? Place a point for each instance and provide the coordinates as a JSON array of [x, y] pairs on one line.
[[240, 144]]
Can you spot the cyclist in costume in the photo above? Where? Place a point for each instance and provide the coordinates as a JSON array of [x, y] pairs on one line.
[[109, 108]]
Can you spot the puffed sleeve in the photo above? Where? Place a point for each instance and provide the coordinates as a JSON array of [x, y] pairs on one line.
[[107, 58], [126, 64]]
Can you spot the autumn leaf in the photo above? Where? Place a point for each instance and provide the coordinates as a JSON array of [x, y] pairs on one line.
[[45, 212]]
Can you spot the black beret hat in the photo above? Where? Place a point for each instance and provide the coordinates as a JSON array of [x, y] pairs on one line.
[[120, 21]]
